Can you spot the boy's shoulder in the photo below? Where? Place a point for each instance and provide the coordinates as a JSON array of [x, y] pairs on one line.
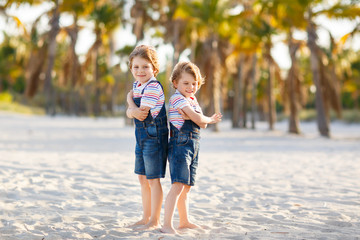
[[153, 84], [177, 97], [177, 94]]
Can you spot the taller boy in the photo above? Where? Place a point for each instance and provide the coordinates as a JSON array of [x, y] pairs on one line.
[[147, 107]]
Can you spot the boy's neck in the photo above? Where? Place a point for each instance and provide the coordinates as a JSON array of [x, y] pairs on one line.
[[143, 83]]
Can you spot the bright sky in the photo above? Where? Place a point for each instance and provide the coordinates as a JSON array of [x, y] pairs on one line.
[[124, 37]]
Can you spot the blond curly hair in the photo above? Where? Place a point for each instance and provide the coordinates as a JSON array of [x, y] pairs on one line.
[[187, 67]]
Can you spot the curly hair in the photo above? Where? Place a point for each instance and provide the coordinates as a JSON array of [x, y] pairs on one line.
[[187, 67], [147, 52]]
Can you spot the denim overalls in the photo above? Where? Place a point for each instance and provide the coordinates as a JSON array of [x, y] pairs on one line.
[[184, 152], [151, 143]]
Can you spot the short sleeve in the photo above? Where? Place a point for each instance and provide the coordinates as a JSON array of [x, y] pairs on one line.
[[151, 95], [179, 102]]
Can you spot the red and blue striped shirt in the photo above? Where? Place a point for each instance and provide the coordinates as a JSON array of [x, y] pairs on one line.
[[178, 101], [153, 95]]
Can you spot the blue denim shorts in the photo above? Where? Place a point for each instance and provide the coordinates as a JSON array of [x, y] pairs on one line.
[[151, 150], [183, 157]]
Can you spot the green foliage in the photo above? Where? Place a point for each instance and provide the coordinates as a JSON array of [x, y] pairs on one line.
[[125, 51], [19, 85], [107, 16], [11, 73]]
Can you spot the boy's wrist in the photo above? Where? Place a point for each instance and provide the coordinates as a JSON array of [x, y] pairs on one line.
[[131, 111]]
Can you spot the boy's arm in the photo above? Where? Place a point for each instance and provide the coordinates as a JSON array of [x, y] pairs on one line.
[[133, 111], [200, 119]]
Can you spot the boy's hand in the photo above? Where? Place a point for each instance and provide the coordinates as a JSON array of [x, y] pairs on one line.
[[216, 118], [140, 113], [183, 114]]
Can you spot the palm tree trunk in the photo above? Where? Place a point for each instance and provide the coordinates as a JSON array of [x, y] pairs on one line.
[[216, 92], [74, 74], [322, 122], [237, 105], [253, 91], [97, 107], [271, 107], [33, 70], [294, 115], [245, 102], [48, 86], [216, 83]]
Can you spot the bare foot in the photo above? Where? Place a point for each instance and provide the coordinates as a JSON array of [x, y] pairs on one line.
[[150, 225], [170, 230], [188, 225], [138, 223]]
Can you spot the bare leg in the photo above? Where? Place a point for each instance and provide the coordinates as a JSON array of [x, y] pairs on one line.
[[183, 208], [146, 200], [156, 202], [170, 202]]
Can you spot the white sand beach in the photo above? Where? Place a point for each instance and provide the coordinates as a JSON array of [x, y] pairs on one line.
[[72, 178]]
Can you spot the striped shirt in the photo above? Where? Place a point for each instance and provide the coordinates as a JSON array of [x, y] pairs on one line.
[[178, 101], [153, 95]]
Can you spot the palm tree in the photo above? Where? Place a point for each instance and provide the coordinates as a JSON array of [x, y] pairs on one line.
[[325, 89], [253, 92], [266, 31], [299, 14], [260, 26], [33, 86], [72, 77], [322, 120], [48, 85], [107, 17], [246, 42], [209, 22], [36, 61], [294, 80], [350, 70], [286, 16], [237, 86]]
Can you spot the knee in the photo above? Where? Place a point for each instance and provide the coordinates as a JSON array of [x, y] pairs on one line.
[[143, 181], [154, 182], [186, 189], [177, 188]]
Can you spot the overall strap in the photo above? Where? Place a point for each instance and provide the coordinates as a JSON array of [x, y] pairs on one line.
[[151, 81]]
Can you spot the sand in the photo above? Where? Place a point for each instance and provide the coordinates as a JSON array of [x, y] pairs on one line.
[[72, 178]]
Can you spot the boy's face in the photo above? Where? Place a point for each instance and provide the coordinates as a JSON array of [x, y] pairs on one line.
[[142, 69], [187, 85]]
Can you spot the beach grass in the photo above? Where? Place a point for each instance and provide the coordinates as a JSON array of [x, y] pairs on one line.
[[15, 107]]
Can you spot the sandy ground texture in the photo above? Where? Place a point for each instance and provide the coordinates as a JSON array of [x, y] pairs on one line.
[[72, 178]]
